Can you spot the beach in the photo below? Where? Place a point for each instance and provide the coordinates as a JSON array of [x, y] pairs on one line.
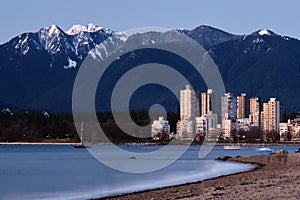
[[275, 177]]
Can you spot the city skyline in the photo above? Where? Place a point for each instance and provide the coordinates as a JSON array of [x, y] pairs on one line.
[[239, 114]]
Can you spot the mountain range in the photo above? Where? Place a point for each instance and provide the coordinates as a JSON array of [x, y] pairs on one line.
[[37, 70]]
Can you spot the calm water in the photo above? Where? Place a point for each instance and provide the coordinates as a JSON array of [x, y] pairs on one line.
[[62, 172]]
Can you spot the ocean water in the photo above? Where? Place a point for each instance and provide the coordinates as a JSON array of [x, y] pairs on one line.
[[62, 172]]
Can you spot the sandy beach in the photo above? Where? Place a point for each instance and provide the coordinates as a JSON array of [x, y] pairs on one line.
[[275, 177]]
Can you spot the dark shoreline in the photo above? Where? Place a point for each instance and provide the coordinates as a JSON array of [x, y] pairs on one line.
[[256, 167], [269, 172]]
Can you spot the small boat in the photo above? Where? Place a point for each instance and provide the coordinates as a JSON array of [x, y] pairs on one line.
[[232, 147], [81, 145], [264, 149]]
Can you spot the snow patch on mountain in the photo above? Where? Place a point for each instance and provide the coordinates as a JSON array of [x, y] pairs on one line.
[[286, 38], [98, 52], [24, 44], [72, 64], [258, 40], [245, 36], [122, 36], [46, 114], [76, 29], [264, 32], [102, 46], [21, 42], [25, 50], [8, 111], [269, 49], [93, 54]]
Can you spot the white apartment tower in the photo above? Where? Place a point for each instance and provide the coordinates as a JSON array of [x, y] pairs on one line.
[[271, 115], [189, 107], [189, 110]]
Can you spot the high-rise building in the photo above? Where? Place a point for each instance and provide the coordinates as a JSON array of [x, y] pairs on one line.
[[189, 106], [243, 106], [271, 115], [208, 103], [228, 106], [189, 110], [254, 116], [254, 105]]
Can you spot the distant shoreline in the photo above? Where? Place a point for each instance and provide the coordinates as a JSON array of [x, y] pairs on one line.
[[148, 143], [37, 143]]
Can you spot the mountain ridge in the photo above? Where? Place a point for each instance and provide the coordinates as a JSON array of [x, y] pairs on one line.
[[32, 64]]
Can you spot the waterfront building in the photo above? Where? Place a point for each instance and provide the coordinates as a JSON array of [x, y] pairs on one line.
[[283, 130], [271, 115], [228, 128], [160, 127], [290, 130]]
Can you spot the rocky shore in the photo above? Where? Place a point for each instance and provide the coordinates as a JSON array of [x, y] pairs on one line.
[[275, 177]]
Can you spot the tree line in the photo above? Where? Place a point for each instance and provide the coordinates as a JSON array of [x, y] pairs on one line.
[[60, 127]]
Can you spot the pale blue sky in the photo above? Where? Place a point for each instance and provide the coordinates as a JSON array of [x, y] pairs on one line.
[[235, 16]]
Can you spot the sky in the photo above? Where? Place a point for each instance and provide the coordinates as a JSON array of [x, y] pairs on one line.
[[234, 16]]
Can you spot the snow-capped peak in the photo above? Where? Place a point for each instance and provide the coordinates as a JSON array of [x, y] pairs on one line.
[[51, 31], [264, 32], [92, 27], [75, 29]]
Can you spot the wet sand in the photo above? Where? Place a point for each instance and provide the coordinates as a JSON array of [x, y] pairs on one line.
[[275, 177]]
